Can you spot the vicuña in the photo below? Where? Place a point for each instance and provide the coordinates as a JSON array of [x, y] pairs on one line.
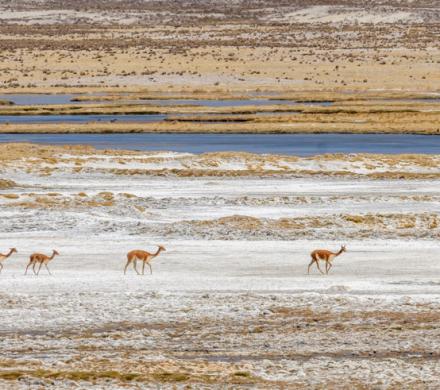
[[143, 256], [39, 258], [326, 256]]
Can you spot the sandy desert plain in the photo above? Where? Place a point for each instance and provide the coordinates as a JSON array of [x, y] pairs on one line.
[[229, 304]]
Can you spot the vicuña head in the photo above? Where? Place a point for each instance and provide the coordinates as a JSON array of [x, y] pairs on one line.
[[5, 256], [162, 248], [55, 252]]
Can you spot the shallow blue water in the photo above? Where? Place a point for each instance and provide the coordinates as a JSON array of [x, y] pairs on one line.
[[39, 99], [230, 102], [30, 99], [294, 144], [79, 118]]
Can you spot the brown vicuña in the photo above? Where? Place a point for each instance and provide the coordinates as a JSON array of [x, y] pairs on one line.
[[324, 255], [143, 256], [39, 258], [4, 257]]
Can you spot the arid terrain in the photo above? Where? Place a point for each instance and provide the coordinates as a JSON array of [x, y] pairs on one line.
[[220, 45], [376, 65], [229, 304]]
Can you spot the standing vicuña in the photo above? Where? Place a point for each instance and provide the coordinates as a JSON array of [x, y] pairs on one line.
[[4, 257], [324, 255], [39, 258], [143, 256]]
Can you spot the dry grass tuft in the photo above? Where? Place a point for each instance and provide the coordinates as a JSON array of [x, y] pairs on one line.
[[6, 184]]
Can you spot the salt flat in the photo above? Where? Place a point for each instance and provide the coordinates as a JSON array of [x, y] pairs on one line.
[[230, 301], [219, 308]]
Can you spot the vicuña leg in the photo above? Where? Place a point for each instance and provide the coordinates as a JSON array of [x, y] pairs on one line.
[[126, 266], [151, 269], [308, 268], [317, 264], [47, 268], [135, 268], [41, 264], [30, 263], [329, 266], [1, 267], [143, 268]]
